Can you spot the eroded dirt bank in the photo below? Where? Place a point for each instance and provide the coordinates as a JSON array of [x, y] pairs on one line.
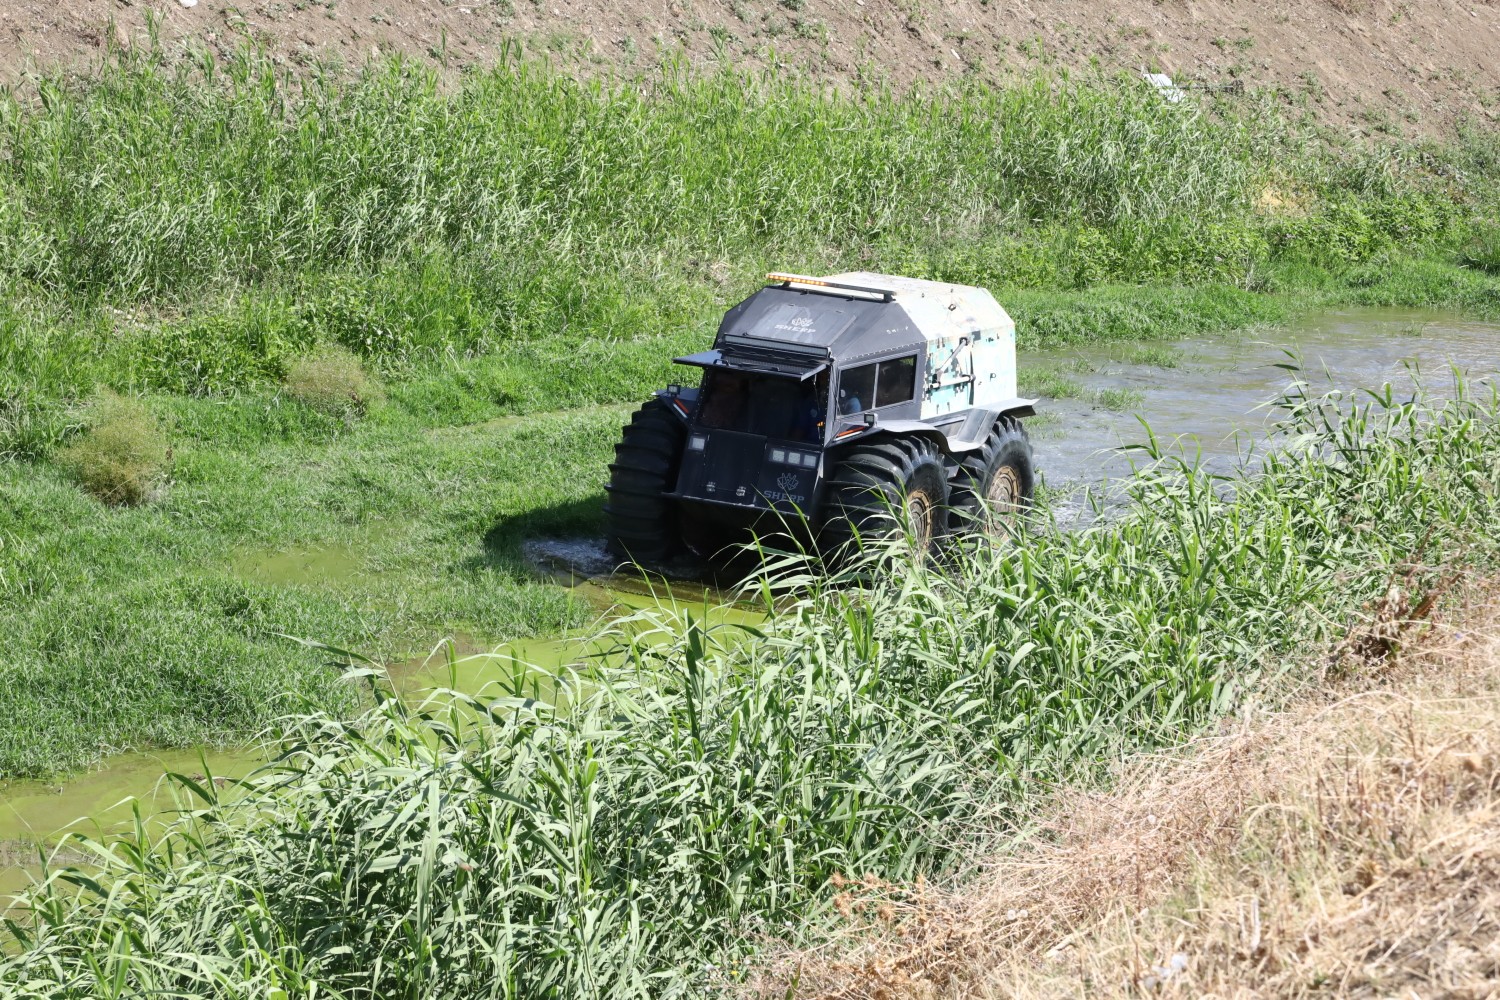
[[1386, 66]]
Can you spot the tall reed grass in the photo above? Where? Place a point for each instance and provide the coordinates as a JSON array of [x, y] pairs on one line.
[[250, 174], [192, 227], [633, 827]]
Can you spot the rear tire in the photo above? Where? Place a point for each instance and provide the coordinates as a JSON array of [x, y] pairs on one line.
[[996, 484], [874, 481], [642, 522]]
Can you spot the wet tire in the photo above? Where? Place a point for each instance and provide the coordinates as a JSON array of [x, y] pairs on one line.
[[641, 522], [996, 484], [871, 486]]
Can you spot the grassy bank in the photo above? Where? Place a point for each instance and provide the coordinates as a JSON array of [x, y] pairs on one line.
[[686, 804], [161, 624], [166, 229], [527, 245], [1347, 846]]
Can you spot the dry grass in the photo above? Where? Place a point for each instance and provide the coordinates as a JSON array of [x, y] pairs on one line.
[[122, 457], [333, 381], [1348, 848]]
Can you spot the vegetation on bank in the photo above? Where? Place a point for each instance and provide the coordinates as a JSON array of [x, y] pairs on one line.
[[193, 229], [635, 830], [121, 456], [162, 624], [207, 238], [1345, 846], [331, 296]]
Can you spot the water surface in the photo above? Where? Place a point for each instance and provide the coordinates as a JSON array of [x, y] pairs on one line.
[[1212, 402]]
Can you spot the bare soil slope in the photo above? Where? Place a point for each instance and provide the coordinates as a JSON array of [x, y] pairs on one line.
[[1408, 66]]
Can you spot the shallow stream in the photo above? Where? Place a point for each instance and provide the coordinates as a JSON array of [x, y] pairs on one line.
[[1205, 394]]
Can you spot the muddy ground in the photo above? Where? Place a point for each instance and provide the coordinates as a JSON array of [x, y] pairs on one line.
[[1365, 66]]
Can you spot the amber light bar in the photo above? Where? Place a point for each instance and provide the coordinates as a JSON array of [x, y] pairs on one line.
[[802, 279]]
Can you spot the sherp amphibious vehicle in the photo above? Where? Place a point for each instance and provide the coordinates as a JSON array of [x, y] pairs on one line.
[[830, 403]]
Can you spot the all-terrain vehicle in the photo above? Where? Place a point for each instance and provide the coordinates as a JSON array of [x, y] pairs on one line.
[[830, 403]]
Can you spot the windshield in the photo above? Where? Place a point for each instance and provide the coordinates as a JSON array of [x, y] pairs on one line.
[[770, 405]]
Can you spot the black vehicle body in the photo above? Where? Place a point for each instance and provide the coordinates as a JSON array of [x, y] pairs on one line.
[[807, 370]]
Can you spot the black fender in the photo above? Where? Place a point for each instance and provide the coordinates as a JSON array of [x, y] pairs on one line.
[[957, 439], [902, 428]]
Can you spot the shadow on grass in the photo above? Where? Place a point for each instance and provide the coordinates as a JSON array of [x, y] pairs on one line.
[[503, 540]]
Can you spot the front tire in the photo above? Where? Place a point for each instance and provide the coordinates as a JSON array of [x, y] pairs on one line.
[[641, 521], [875, 483], [997, 483]]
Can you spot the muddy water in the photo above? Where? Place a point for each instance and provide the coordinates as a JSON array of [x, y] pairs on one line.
[[1204, 394], [37, 814], [33, 812], [1210, 403]]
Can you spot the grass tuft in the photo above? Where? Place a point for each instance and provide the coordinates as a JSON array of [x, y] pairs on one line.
[[1482, 251], [1048, 382], [122, 456], [1156, 357], [333, 381], [1119, 399]]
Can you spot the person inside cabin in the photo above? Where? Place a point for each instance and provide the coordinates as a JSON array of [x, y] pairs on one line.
[[811, 413]]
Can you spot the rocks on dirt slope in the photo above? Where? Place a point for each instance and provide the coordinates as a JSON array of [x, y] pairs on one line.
[[1391, 66]]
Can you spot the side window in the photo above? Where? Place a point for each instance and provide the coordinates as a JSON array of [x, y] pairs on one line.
[[897, 381], [857, 389], [881, 384]]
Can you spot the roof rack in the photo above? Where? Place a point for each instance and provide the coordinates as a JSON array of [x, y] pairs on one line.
[[787, 280]]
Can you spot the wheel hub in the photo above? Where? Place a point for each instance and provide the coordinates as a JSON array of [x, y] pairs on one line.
[[919, 511], [1004, 487]]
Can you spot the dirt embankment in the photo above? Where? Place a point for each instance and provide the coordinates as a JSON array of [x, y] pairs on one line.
[[1389, 66], [1350, 847]]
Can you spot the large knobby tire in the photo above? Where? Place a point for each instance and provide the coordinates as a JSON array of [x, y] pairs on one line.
[[642, 522], [996, 484], [875, 482]]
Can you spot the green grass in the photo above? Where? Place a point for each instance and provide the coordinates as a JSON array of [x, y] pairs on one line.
[[514, 259], [163, 229], [158, 625], [1115, 313], [1482, 251], [700, 794], [521, 244], [1119, 398], [1156, 357], [1047, 383]]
